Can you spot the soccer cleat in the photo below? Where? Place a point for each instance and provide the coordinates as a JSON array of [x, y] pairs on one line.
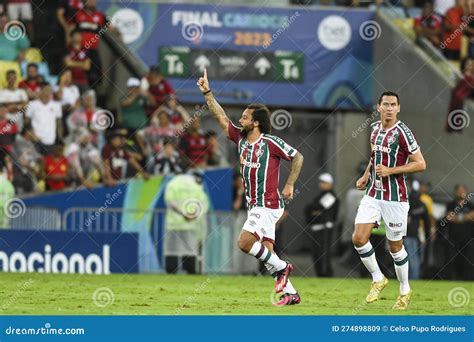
[[375, 289], [288, 299], [282, 278], [402, 302]]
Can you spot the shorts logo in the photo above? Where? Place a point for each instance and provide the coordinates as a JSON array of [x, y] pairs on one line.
[[255, 214], [395, 225]]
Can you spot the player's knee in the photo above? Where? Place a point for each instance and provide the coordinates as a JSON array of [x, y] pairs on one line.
[[244, 244], [395, 246], [359, 240]]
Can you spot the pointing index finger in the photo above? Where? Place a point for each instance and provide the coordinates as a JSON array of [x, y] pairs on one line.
[[205, 73]]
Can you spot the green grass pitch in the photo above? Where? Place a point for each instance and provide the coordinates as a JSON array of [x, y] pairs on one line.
[[58, 294]]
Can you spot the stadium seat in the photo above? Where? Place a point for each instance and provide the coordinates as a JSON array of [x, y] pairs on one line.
[[33, 55]]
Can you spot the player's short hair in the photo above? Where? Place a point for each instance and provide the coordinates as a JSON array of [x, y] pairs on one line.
[[261, 114], [389, 93], [32, 65]]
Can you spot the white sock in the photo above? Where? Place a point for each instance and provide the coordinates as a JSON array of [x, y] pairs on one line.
[[263, 254], [289, 286], [367, 256], [400, 260]]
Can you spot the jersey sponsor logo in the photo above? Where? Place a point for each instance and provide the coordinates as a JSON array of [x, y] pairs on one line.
[[383, 149], [250, 164]]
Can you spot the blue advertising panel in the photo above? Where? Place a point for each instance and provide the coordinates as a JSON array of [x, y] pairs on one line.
[[67, 252], [295, 56]]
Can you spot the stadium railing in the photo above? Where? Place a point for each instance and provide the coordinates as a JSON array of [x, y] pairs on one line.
[[36, 218]]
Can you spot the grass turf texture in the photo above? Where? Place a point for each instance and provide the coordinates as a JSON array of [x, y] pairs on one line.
[[46, 294]]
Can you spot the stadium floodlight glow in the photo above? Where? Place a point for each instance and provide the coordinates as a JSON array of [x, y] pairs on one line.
[[56, 263]]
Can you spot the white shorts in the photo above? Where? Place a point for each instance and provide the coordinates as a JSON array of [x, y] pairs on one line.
[[394, 215], [21, 11], [261, 222]]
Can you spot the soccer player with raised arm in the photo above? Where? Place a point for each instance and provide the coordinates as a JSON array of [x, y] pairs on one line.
[[260, 154], [395, 153]]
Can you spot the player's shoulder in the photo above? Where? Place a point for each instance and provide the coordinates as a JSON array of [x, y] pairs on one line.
[[404, 127], [273, 139], [375, 124]]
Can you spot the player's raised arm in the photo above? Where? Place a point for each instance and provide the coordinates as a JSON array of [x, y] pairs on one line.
[[214, 107], [296, 165]]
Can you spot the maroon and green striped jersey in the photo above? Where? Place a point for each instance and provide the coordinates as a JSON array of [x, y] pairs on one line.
[[391, 148], [260, 166]]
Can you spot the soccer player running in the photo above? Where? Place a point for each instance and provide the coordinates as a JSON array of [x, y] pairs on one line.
[[260, 154], [395, 153]]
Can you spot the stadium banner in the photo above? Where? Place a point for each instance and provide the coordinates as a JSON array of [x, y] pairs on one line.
[[222, 328], [67, 252], [135, 194], [296, 56]]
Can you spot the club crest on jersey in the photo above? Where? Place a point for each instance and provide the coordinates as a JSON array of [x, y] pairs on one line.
[[259, 151], [391, 139]]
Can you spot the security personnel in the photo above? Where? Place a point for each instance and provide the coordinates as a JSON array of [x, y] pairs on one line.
[[321, 217]]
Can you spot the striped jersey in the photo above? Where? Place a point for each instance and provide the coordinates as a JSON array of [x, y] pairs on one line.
[[391, 148], [260, 166]]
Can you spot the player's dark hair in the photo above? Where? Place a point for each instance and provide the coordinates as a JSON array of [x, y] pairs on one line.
[[261, 114], [34, 65], [389, 93]]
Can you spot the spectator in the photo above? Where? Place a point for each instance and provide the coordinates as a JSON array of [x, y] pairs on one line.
[[166, 161], [8, 131], [83, 118], [65, 13], [28, 161], [116, 158], [159, 88], [178, 115], [151, 138], [133, 107], [194, 145], [21, 10], [238, 195], [417, 214], [452, 37], [13, 49], [55, 168], [463, 90], [442, 6], [185, 223], [45, 116], [321, 217], [78, 62], [84, 159], [67, 93], [31, 84], [469, 30], [92, 23], [215, 157], [12, 96], [460, 219], [7, 192], [428, 25]]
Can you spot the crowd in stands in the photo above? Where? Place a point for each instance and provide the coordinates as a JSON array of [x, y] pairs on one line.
[[53, 132]]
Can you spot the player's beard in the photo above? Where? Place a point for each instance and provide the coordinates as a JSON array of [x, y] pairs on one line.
[[246, 130]]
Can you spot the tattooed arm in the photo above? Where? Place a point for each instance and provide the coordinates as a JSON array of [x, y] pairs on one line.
[[214, 107]]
